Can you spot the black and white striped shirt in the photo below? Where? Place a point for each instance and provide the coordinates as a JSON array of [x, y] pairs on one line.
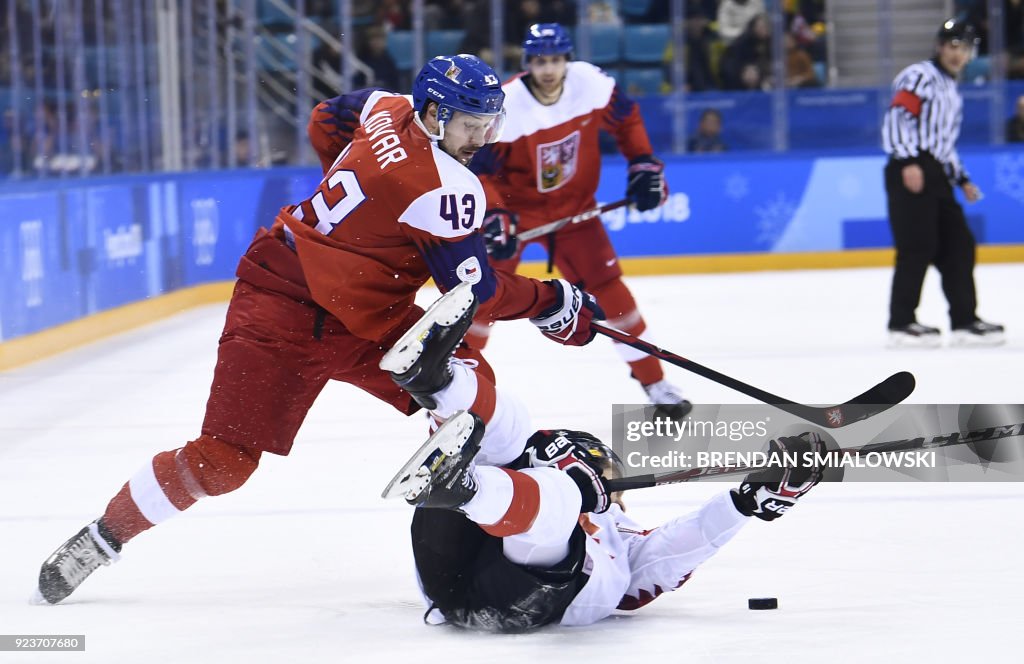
[[925, 116]]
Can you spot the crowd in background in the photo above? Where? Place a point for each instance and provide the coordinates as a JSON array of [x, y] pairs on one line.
[[728, 42], [728, 46]]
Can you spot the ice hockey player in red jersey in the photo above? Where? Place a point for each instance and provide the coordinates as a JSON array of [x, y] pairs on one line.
[[547, 165], [541, 540], [330, 287]]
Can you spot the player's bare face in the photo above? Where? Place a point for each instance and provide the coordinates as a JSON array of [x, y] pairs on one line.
[[547, 75], [465, 134], [954, 55]]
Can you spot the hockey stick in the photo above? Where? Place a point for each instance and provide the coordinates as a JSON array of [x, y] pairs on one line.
[[881, 397], [553, 226], [935, 442]]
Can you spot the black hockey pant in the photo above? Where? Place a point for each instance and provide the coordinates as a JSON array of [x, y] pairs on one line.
[[929, 228]]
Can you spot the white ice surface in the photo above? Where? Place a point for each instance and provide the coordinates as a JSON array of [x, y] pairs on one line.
[[305, 563]]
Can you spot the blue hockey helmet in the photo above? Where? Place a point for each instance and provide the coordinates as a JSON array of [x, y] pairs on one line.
[[459, 83], [546, 39]]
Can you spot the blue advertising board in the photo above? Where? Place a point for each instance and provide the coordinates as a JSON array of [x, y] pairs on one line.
[[72, 248], [724, 204]]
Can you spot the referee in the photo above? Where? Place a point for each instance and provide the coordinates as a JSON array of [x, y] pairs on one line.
[[928, 225]]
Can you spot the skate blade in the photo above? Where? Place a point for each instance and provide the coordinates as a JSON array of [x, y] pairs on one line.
[[448, 440], [446, 311], [900, 340], [968, 340]]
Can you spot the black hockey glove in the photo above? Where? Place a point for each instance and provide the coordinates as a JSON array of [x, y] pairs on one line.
[[769, 493], [646, 185], [568, 320], [499, 230], [568, 451]]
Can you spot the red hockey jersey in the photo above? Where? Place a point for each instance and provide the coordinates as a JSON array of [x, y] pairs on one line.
[[392, 211]]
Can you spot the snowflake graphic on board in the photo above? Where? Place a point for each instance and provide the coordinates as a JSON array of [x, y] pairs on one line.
[[773, 217], [737, 186], [1010, 176]]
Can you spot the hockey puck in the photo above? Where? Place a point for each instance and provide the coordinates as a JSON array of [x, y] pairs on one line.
[[762, 603]]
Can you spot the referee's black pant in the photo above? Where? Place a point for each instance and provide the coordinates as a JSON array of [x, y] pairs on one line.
[[929, 228]]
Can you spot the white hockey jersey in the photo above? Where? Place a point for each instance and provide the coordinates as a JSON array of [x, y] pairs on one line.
[[630, 566]]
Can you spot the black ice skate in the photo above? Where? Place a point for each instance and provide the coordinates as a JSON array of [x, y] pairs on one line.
[[979, 333], [418, 362], [669, 403], [914, 335], [75, 560], [440, 473]]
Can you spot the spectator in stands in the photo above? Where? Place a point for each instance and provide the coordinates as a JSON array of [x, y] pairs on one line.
[[734, 16], [84, 145], [243, 149], [394, 14], [477, 39], [603, 12], [447, 14], [373, 51], [518, 17], [805, 20], [8, 139], [1015, 125], [706, 8], [43, 134], [321, 8], [1013, 23], [708, 137], [1013, 26], [699, 35], [747, 62], [975, 12], [799, 66], [522, 14]]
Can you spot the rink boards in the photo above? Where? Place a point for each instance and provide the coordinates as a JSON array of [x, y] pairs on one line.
[[72, 249]]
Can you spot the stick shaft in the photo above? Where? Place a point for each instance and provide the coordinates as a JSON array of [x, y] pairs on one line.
[[553, 226], [878, 398]]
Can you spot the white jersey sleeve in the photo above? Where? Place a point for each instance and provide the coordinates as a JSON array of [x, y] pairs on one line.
[[630, 566], [451, 210]]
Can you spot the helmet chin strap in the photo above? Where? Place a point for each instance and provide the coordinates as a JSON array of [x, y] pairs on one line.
[[434, 137]]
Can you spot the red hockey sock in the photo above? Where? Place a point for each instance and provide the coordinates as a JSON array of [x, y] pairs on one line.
[[647, 371], [486, 398], [174, 481], [523, 509], [478, 335], [619, 305]]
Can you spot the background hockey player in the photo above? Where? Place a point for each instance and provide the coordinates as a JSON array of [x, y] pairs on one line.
[[542, 541], [331, 286], [546, 166]]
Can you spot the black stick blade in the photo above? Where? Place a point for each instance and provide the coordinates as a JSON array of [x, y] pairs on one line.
[[881, 397]]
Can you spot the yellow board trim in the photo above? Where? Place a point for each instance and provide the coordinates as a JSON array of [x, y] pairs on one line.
[[818, 260], [34, 347], [38, 346]]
